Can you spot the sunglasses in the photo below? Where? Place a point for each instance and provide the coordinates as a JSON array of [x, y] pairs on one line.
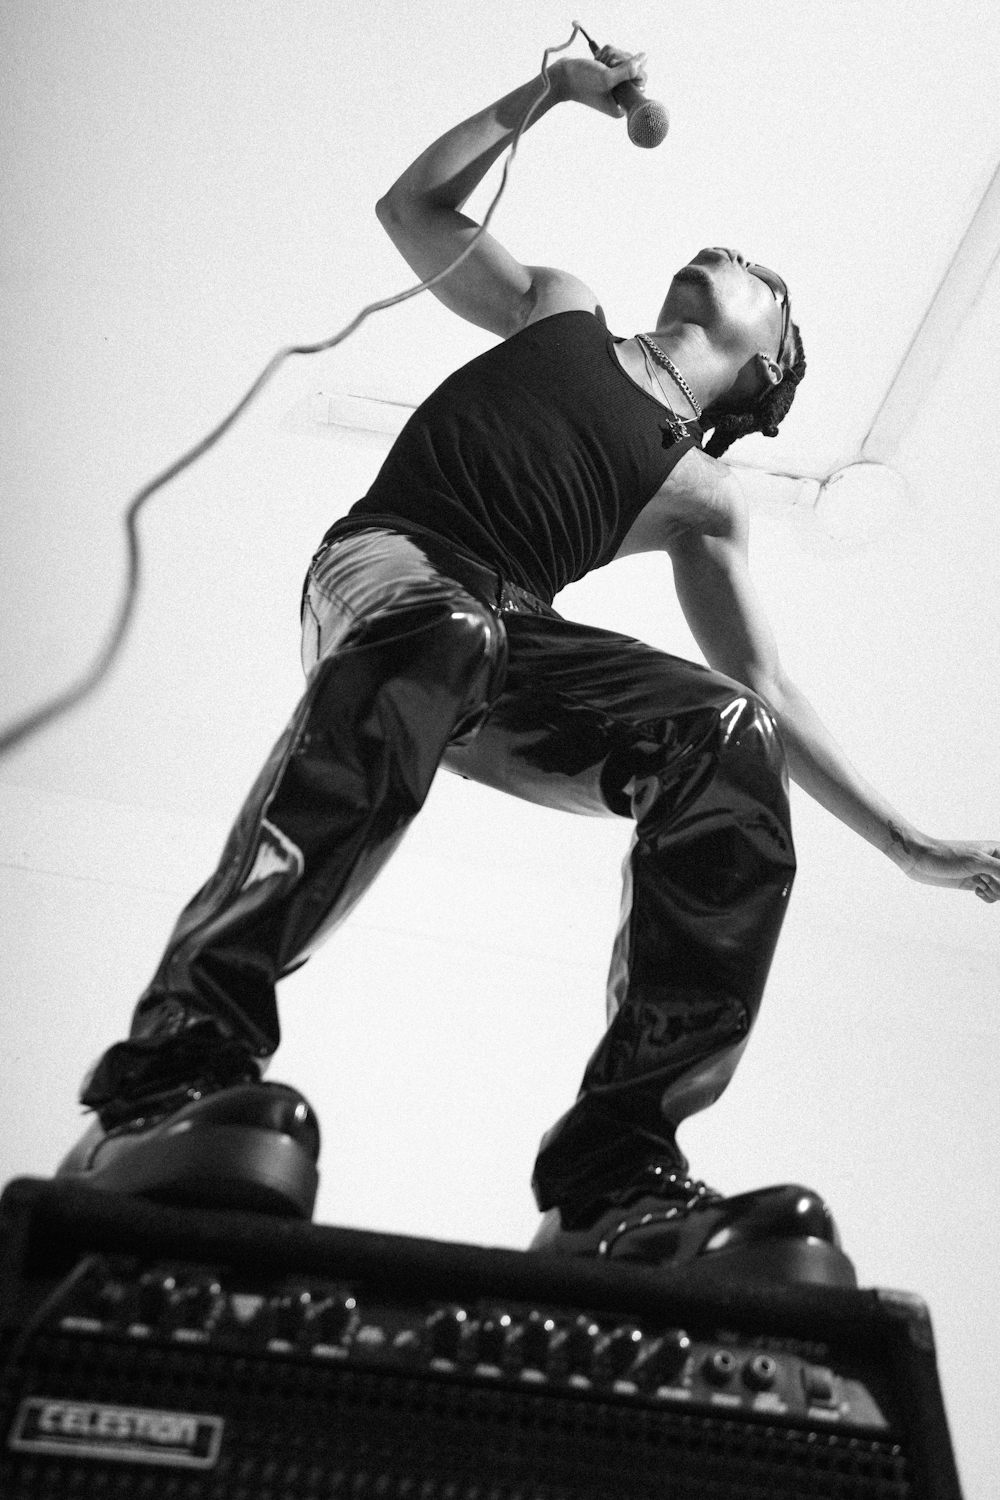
[[779, 288]]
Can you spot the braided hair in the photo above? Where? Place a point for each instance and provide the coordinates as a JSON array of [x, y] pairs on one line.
[[767, 411]]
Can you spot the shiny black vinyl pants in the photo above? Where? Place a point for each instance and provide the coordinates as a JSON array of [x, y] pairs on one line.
[[417, 658]]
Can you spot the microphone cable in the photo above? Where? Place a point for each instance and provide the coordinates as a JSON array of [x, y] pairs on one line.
[[22, 729]]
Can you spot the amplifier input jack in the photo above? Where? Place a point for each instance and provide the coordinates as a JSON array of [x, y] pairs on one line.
[[720, 1367], [761, 1372]]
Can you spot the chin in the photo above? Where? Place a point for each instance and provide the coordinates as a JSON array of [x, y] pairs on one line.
[[692, 297], [700, 275]]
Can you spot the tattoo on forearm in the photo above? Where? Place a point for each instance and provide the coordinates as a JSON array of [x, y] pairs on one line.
[[897, 842]]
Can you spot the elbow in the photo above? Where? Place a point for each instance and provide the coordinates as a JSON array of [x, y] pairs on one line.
[[400, 212], [395, 206], [402, 204]]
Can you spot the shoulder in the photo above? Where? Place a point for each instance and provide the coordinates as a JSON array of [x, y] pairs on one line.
[[700, 497], [554, 291]]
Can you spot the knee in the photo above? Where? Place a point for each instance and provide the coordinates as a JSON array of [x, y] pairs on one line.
[[749, 731], [460, 650], [466, 648], [427, 632], [732, 739], [474, 633], [751, 755]]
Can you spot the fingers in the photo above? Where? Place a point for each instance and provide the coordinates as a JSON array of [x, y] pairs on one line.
[[984, 881], [987, 877], [624, 65], [961, 865]]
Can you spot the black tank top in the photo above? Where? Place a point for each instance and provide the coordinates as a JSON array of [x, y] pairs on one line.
[[535, 458]]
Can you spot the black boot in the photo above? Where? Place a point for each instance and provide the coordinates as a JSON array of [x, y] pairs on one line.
[[188, 1123], [663, 1218]]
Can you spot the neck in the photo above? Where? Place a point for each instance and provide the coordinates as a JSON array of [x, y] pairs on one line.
[[706, 369]]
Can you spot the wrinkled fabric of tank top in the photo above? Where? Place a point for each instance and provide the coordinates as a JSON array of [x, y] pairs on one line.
[[534, 459]]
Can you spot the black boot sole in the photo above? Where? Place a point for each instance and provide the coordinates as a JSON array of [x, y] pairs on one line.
[[793, 1261], [218, 1166]]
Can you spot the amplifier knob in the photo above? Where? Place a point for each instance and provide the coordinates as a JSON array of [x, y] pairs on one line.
[[530, 1343], [662, 1359], [330, 1320], [288, 1315], [444, 1332], [615, 1352], [491, 1339], [153, 1296], [574, 1347], [192, 1305]]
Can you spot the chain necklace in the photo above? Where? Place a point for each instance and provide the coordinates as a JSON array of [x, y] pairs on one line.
[[675, 424], [671, 369]]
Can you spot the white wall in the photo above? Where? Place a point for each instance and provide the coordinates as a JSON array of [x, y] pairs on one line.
[[189, 186]]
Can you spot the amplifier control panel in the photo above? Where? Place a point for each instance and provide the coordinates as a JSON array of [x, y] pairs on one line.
[[553, 1348]]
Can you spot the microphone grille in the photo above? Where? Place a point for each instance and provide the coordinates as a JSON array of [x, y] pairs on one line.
[[648, 123]]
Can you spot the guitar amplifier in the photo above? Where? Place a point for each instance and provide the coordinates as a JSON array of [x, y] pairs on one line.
[[171, 1354]]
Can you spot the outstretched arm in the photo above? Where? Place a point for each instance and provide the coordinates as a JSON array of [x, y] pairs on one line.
[[422, 215], [708, 551]]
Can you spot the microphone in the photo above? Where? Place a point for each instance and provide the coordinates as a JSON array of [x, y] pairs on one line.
[[648, 120]]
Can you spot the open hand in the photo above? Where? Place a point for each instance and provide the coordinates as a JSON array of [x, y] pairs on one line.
[[969, 866], [589, 81]]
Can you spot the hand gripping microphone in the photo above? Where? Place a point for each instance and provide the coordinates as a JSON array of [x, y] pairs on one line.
[[648, 121]]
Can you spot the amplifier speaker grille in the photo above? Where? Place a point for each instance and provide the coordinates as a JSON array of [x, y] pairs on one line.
[[296, 1431]]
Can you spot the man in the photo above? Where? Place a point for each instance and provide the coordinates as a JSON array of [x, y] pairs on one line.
[[429, 638]]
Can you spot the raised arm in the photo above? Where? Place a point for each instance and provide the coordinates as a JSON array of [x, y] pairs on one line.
[[707, 543], [422, 215]]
